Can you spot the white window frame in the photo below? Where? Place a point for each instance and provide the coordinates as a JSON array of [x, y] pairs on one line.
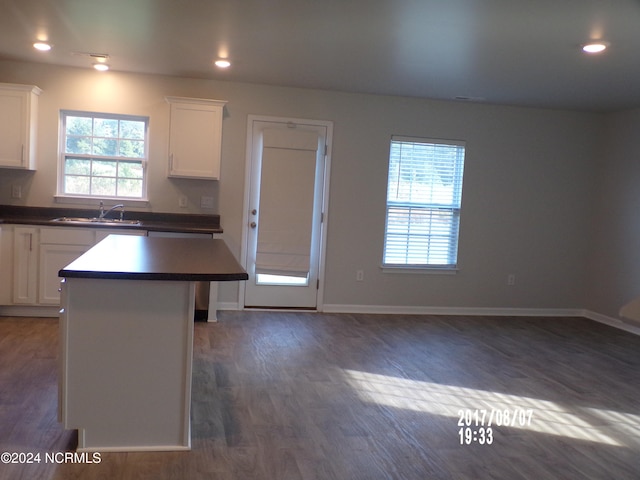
[[401, 241], [62, 155]]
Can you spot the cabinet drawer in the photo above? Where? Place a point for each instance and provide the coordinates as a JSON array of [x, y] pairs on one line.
[[67, 236]]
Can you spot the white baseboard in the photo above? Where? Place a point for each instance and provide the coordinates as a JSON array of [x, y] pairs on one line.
[[229, 306], [52, 311], [29, 311], [475, 311], [484, 311], [612, 322]]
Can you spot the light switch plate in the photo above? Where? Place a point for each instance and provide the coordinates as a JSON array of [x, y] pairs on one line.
[[206, 202]]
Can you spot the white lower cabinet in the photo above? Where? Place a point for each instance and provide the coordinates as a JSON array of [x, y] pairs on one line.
[[25, 265], [58, 248], [32, 256], [52, 259], [6, 264]]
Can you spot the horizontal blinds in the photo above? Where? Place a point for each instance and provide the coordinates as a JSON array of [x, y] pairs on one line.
[[423, 202]]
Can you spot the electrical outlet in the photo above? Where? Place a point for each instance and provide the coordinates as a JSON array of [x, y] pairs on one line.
[[359, 275], [183, 201], [16, 191], [511, 279]]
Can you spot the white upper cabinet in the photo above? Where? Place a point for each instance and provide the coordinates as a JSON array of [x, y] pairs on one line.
[[195, 137], [18, 123]]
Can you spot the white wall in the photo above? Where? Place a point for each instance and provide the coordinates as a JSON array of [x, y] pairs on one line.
[[527, 181], [527, 188], [615, 251]]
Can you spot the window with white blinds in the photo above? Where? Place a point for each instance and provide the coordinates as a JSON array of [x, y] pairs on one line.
[[423, 203]]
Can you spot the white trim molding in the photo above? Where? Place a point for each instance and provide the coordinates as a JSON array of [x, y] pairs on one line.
[[229, 306], [628, 326], [475, 311], [29, 311], [485, 311]]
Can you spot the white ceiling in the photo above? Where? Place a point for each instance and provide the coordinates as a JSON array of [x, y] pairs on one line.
[[518, 52]]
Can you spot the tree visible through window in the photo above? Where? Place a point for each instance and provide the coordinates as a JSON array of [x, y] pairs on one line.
[[103, 155], [423, 203]]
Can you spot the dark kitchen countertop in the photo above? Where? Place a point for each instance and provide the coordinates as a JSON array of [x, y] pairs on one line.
[[124, 257], [150, 221]]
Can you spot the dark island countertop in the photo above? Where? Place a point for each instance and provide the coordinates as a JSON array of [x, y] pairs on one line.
[[149, 221], [124, 257]]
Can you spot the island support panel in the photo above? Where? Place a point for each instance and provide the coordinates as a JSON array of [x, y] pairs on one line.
[[126, 349]]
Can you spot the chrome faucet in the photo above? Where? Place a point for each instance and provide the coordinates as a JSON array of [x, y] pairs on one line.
[[103, 214]]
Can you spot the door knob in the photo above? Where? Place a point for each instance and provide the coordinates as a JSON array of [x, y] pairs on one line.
[[253, 224], [254, 211]]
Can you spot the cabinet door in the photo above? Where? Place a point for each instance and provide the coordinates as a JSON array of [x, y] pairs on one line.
[[195, 138], [25, 266], [18, 120], [52, 259], [6, 264], [59, 246]]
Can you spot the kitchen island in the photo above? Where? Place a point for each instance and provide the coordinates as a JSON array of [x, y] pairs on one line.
[[126, 339]]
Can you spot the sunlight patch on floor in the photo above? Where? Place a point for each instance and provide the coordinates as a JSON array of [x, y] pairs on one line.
[[502, 410]]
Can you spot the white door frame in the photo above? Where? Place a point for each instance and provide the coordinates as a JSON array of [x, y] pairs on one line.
[[325, 198]]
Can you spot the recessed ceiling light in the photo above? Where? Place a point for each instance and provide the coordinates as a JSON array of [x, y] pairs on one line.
[[595, 47], [222, 63], [42, 46], [101, 67]]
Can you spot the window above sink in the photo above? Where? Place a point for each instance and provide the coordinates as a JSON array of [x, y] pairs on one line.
[[103, 156]]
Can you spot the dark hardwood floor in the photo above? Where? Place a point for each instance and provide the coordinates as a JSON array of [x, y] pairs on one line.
[[325, 396]]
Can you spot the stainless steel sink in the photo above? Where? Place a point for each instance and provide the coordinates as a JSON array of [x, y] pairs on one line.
[[101, 221]]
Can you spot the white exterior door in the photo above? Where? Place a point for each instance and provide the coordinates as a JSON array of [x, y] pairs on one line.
[[287, 164]]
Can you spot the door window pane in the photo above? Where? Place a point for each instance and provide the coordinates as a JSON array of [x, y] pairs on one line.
[[266, 279]]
